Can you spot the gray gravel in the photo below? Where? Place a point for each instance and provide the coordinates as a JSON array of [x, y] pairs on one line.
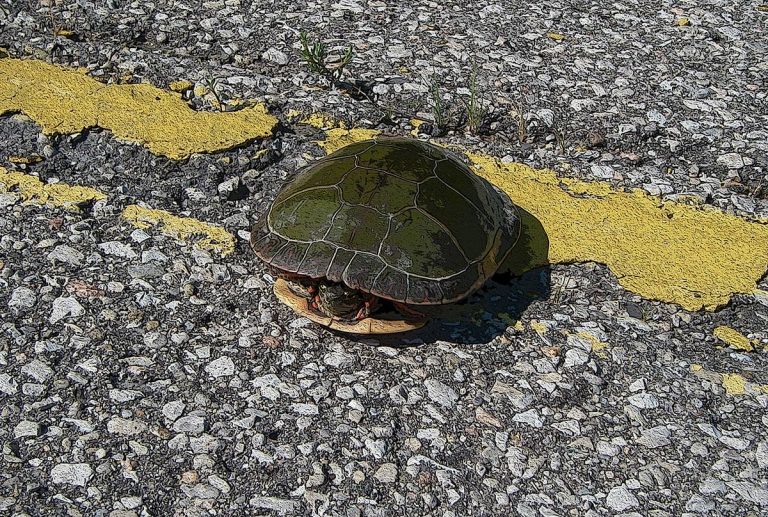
[[141, 376]]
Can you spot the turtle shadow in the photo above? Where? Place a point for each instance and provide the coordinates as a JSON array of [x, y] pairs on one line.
[[523, 278]]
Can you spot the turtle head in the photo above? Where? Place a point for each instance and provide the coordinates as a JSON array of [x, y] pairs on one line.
[[339, 300]]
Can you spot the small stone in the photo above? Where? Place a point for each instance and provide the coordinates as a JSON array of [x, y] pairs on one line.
[[377, 448], [644, 401], [484, 417], [530, 417], [38, 370], [64, 307], [281, 506], [66, 254], [699, 505], [575, 357], [761, 455], [655, 437], [22, 298], [338, 359], [639, 384], [189, 424], [731, 160], [77, 474], [441, 393], [117, 249], [25, 429], [749, 492], [173, 410], [620, 499], [275, 56], [125, 427], [223, 366], [7, 384], [735, 443], [305, 409], [387, 473]]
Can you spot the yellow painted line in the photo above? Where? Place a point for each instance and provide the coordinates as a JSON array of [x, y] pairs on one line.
[[203, 235], [31, 190], [733, 383], [598, 347], [734, 339], [66, 101], [416, 124], [667, 251], [697, 257]]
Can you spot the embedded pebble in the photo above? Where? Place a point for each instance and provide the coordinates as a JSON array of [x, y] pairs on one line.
[[65, 307], [77, 474]]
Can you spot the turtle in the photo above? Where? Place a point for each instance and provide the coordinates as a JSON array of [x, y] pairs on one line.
[[390, 221]]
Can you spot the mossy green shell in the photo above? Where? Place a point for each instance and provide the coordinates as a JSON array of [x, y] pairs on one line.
[[396, 217]]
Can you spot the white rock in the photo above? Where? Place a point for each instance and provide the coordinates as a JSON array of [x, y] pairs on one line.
[[77, 474], [124, 395], [338, 359], [620, 499], [761, 455], [602, 171], [281, 506], [750, 492], [655, 437], [735, 443], [575, 357], [66, 254], [441, 393], [644, 400], [530, 417], [22, 298], [377, 448], [125, 427], [305, 409], [221, 367], [117, 249], [65, 306], [387, 473], [638, 385], [26, 428], [189, 424], [731, 160], [568, 427], [7, 384], [173, 410], [38, 370], [607, 448], [275, 56]]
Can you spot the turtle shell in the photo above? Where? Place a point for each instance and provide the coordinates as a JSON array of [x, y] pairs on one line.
[[396, 217]]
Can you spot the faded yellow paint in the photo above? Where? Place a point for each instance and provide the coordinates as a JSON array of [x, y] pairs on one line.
[[416, 124], [661, 250], [555, 36], [180, 86], [320, 120], [26, 160], [209, 236], [734, 339], [32, 190], [539, 327], [734, 384], [65, 101], [339, 137], [598, 347]]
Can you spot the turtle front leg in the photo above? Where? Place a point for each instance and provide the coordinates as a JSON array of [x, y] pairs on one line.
[[370, 304]]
